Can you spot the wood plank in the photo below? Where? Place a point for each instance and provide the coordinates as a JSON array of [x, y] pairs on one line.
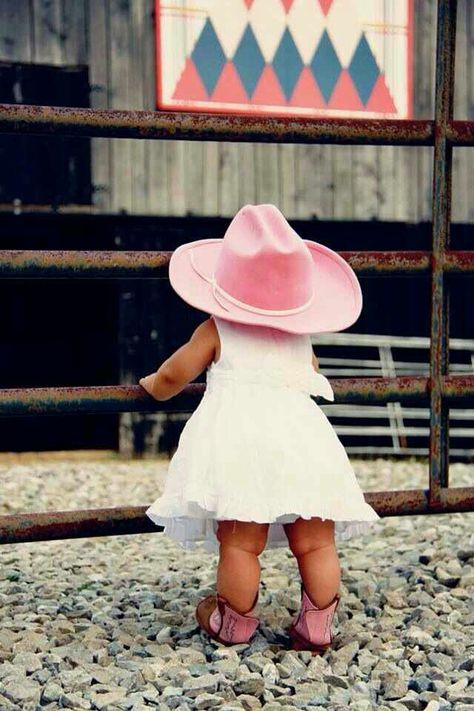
[[402, 207], [99, 70], [267, 180], [15, 31], [176, 150], [385, 180], [74, 36], [138, 28], [313, 181], [287, 173], [194, 176], [228, 179], [247, 160], [425, 36], [156, 152], [210, 198], [120, 81], [343, 181], [176, 170], [47, 26], [461, 156], [365, 181]]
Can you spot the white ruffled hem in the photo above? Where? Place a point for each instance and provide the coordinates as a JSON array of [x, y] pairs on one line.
[[188, 523]]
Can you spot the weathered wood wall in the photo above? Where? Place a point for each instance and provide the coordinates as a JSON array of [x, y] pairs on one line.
[[116, 39]]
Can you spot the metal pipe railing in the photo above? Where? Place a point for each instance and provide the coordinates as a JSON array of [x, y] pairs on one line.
[[67, 264]]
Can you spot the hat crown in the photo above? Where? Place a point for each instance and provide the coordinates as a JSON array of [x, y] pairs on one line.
[[263, 261]]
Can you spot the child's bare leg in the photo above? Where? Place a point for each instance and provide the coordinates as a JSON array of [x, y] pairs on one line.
[[238, 574], [312, 543]]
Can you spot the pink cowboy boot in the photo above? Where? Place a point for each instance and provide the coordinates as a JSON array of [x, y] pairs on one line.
[[311, 630], [223, 623]]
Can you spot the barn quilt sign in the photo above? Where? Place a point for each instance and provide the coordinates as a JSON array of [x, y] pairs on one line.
[[342, 58]]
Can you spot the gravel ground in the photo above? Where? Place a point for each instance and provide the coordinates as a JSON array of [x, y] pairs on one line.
[[108, 623]]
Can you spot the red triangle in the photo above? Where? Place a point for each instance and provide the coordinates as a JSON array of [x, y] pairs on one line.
[[306, 92], [189, 85], [345, 94], [380, 99], [287, 4], [249, 3], [325, 5], [229, 88], [268, 90]]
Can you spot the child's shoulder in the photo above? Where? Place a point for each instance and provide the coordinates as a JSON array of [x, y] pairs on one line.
[[206, 330]]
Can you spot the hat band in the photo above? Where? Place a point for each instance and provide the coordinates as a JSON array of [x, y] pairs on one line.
[[218, 290]]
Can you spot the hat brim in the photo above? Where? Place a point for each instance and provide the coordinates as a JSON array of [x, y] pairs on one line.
[[336, 305]]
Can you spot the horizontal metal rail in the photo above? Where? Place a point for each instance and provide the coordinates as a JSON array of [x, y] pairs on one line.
[[112, 123], [54, 525], [133, 398], [65, 264], [375, 340]]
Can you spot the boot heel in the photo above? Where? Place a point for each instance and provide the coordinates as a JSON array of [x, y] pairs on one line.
[[223, 623]]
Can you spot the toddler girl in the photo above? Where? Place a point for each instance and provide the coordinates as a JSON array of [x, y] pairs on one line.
[[258, 462]]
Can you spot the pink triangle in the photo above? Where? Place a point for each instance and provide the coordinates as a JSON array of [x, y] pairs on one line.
[[325, 5], [380, 99], [345, 95], [287, 4], [229, 87], [306, 92], [189, 85], [249, 3], [268, 90]]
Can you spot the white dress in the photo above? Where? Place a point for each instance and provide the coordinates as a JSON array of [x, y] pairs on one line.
[[258, 448]]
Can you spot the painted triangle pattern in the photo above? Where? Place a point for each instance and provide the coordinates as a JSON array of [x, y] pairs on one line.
[[229, 62]]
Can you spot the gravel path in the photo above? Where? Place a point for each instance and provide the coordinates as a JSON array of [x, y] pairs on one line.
[[108, 623]]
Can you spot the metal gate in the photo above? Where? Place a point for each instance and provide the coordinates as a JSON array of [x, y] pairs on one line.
[[443, 264]]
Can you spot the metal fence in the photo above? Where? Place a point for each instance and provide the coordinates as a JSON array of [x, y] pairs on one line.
[[440, 388], [408, 438]]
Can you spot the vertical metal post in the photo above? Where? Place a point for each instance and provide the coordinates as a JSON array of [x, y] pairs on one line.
[[441, 211]]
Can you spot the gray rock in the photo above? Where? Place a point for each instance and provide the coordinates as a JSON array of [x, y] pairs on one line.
[[22, 692], [291, 667], [417, 636], [420, 683], [51, 692], [28, 660], [347, 653], [170, 691], [75, 679], [333, 681], [207, 701], [270, 673], [249, 702], [75, 701], [442, 661], [208, 683], [446, 578], [394, 685], [432, 705], [253, 685]]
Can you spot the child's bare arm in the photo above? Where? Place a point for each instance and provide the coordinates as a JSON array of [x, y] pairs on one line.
[[184, 365], [315, 362]]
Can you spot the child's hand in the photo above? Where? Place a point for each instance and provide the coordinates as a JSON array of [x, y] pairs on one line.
[[147, 383]]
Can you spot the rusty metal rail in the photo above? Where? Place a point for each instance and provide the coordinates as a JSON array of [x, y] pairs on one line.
[[441, 264], [61, 264], [54, 525], [169, 125], [132, 398]]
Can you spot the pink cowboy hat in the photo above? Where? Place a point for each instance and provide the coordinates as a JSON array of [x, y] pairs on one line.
[[263, 273]]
